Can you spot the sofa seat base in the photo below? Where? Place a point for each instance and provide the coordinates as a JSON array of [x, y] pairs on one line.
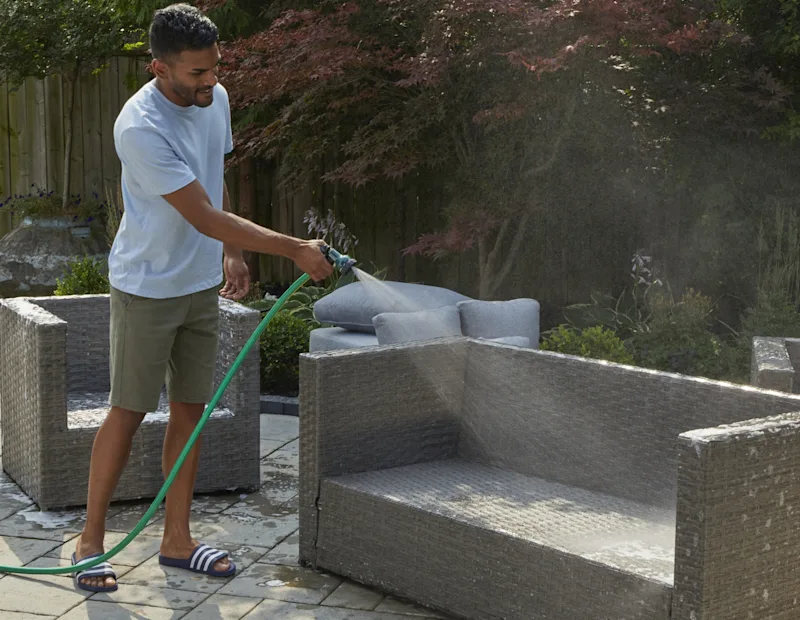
[[333, 338], [226, 464], [453, 531], [89, 409]]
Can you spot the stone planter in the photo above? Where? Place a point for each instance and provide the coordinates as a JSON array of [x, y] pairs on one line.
[[35, 254]]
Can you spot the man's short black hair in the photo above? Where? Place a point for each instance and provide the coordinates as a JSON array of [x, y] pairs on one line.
[[180, 27]]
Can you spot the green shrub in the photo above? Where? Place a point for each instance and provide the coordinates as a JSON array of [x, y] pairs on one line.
[[39, 203], [284, 339], [774, 315], [85, 276], [596, 342], [679, 337]]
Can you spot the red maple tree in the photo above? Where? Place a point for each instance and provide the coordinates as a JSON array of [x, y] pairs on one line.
[[486, 91]]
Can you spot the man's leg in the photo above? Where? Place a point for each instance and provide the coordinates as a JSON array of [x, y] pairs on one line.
[[141, 335], [190, 385], [112, 446]]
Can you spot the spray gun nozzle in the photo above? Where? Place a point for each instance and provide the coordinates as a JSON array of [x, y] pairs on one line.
[[341, 261]]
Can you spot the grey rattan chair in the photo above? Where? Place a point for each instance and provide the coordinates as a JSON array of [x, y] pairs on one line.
[[54, 385]]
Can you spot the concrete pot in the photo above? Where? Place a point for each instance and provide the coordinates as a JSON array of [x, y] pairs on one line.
[[35, 254]]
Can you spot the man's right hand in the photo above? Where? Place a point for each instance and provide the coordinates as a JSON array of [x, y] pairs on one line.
[[309, 258]]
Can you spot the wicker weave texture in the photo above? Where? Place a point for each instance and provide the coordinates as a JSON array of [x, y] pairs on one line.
[[480, 573], [87, 343], [737, 522], [380, 409], [32, 388], [51, 461], [600, 426]]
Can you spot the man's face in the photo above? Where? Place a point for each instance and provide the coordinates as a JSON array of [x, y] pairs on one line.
[[191, 75]]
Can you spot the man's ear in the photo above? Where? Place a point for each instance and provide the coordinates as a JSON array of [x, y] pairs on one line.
[[159, 68]]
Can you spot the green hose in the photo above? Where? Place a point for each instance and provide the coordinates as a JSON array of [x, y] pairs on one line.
[[80, 566]]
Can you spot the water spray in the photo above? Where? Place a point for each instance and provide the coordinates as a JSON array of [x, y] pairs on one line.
[[344, 264]]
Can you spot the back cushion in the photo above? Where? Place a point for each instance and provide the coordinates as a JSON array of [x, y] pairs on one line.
[[501, 319], [353, 307], [588, 423], [399, 327]]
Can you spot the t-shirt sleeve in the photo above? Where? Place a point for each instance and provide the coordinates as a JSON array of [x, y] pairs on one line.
[[228, 130], [152, 162]]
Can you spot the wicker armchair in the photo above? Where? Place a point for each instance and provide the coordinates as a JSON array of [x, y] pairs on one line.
[[54, 386]]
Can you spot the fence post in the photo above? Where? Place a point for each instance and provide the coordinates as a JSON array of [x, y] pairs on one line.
[[5, 223]]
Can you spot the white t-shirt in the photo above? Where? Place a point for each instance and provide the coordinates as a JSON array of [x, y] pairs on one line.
[[164, 147]]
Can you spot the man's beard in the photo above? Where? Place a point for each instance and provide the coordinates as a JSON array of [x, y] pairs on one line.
[[193, 96]]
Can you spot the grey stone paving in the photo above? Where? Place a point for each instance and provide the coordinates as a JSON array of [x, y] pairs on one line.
[[259, 530]]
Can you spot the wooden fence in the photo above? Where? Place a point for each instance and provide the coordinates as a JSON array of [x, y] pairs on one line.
[[32, 140], [563, 261]]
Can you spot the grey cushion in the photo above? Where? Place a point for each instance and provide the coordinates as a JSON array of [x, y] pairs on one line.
[[398, 327], [517, 341], [354, 306], [334, 338], [500, 319]]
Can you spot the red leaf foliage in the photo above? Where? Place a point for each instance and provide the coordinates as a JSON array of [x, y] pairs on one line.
[[462, 235], [388, 85]]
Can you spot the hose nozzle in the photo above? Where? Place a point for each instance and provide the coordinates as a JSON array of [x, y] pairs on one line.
[[341, 261]]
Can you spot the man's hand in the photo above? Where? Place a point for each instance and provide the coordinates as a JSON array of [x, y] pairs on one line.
[[237, 278], [309, 258]]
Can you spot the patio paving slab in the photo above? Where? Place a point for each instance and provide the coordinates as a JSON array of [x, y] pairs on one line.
[[283, 583], [258, 529], [223, 607], [99, 610], [151, 573], [352, 595], [49, 595]]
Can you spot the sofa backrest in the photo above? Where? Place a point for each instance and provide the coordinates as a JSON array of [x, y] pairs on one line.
[[592, 424], [87, 320]]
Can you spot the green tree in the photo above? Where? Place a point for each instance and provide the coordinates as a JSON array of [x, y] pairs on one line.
[[67, 38]]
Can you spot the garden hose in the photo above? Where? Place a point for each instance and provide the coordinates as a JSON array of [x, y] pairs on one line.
[[344, 263]]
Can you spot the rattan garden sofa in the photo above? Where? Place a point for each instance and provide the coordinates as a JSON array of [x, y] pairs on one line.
[[488, 481], [54, 386]]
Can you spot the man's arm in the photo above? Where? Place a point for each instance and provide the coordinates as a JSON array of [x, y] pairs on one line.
[[154, 164], [231, 251], [194, 204]]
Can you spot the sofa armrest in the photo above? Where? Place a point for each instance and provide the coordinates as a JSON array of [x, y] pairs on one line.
[[33, 390], [737, 549], [771, 366], [375, 408], [236, 326]]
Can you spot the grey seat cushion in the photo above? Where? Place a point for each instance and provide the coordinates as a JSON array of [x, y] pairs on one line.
[[399, 327], [354, 306], [501, 319], [334, 338]]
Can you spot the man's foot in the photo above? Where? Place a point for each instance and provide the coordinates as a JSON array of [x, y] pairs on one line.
[[98, 581], [180, 554]]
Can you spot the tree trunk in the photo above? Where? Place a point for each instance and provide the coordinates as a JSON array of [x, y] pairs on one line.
[[70, 87], [492, 278], [247, 206]]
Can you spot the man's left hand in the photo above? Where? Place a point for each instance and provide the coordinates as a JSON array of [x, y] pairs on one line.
[[237, 278]]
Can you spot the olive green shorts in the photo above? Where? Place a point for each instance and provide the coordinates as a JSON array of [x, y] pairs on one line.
[[162, 341]]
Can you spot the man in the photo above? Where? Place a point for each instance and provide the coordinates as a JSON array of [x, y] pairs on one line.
[[166, 265]]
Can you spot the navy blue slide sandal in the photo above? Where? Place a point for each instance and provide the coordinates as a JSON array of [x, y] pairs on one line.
[[202, 561], [101, 570]]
